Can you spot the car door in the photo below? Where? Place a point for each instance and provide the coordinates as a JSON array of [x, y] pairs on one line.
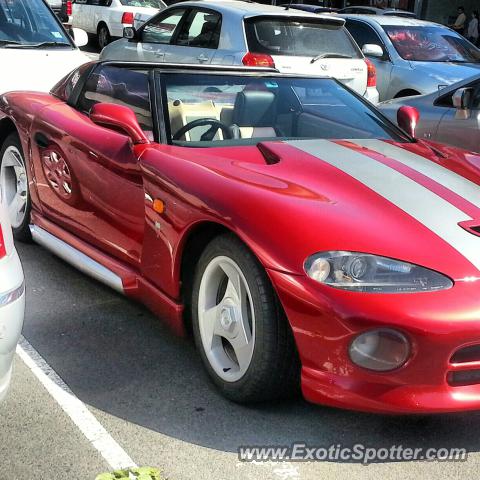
[[88, 177], [460, 127], [80, 9], [197, 39], [364, 34], [157, 34]]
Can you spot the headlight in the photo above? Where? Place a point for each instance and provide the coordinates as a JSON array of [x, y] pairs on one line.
[[362, 272], [381, 350]]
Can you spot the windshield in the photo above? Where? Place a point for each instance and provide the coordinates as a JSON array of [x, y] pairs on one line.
[[211, 110], [27, 23], [299, 37], [431, 44], [143, 3]]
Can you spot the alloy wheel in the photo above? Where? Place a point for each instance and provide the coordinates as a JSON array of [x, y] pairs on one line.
[[226, 319]]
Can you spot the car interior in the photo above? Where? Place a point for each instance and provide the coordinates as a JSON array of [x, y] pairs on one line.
[[248, 110]]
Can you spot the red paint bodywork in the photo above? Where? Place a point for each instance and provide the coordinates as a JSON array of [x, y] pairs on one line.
[[284, 211]]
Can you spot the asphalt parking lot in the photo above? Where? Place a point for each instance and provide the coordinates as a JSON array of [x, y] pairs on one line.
[[148, 390]]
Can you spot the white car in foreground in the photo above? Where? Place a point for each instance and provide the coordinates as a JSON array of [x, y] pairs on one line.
[[13, 188], [107, 18], [231, 32], [35, 50]]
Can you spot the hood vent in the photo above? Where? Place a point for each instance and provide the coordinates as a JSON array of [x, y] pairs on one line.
[[471, 226], [271, 158]]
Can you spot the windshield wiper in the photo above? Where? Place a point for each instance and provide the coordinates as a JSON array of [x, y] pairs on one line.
[[329, 55], [4, 43], [37, 45]]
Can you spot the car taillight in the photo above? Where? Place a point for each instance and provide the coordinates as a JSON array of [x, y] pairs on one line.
[[3, 250], [258, 60], [371, 73], [69, 8], [127, 17]]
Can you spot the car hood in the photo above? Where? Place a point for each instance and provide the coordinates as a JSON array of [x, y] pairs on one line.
[[293, 199], [36, 69], [446, 73]]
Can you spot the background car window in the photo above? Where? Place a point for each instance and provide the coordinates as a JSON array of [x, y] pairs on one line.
[[212, 109], [305, 37], [202, 29], [162, 29], [143, 3], [29, 22], [432, 44], [100, 3], [123, 87], [363, 33]]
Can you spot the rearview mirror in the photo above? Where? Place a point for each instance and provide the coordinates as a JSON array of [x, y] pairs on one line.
[[372, 50], [407, 119], [462, 97], [79, 36], [119, 118], [130, 33]]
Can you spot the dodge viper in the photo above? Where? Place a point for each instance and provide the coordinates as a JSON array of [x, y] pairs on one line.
[[303, 239]]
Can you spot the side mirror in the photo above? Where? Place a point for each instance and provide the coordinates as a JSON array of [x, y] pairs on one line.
[[119, 118], [79, 36], [407, 119], [372, 50], [462, 97], [130, 33]]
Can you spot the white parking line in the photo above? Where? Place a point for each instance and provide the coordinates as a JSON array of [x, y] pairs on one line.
[[86, 422]]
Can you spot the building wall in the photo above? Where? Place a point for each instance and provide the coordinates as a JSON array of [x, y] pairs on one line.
[[441, 10]]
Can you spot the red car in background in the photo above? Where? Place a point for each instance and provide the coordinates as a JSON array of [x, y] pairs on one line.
[[301, 236]]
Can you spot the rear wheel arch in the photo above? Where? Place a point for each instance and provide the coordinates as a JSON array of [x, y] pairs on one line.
[[407, 92]]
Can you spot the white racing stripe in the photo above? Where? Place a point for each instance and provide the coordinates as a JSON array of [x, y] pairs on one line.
[[435, 213], [451, 180], [78, 412]]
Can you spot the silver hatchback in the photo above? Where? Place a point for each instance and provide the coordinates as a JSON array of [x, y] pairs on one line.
[[226, 32]]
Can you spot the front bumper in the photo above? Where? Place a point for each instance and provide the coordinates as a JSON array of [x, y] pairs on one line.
[[325, 321], [12, 310]]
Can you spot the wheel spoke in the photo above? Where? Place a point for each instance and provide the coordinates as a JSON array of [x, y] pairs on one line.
[[211, 324], [16, 210], [242, 346], [235, 287]]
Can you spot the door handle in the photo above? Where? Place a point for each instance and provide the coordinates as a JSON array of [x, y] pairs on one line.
[[41, 140], [202, 58], [159, 54]]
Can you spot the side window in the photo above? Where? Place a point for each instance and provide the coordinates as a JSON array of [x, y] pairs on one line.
[[202, 29], [363, 34], [100, 3], [122, 86], [162, 28]]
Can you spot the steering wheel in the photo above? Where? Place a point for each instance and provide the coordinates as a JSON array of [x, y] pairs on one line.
[[209, 134]]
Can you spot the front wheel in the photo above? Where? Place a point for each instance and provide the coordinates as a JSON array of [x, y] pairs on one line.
[[14, 187], [240, 329]]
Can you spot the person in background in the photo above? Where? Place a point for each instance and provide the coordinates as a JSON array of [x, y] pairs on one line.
[[472, 32], [459, 25]]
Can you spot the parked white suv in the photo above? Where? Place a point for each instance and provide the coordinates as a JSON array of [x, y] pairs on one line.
[[232, 32], [107, 18]]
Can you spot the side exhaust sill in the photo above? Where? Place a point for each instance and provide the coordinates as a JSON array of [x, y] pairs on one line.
[[75, 258]]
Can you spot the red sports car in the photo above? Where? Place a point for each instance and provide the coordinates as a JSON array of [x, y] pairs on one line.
[[303, 238]]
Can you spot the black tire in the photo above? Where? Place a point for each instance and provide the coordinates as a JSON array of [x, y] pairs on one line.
[[274, 371], [103, 36], [21, 233]]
